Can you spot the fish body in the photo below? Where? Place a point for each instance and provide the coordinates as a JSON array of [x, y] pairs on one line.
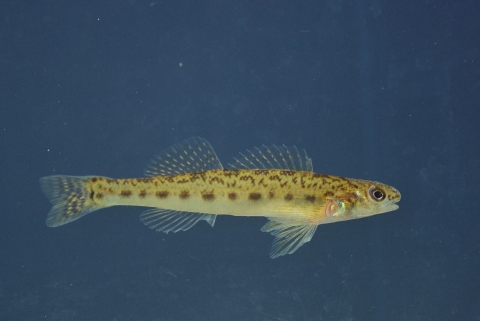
[[187, 183]]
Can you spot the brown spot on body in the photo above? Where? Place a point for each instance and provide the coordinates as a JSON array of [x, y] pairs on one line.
[[288, 197], [94, 179], [271, 194], [208, 196], [255, 196], [99, 196], [161, 194], [125, 193], [142, 193], [184, 194], [232, 196], [328, 194], [310, 198]]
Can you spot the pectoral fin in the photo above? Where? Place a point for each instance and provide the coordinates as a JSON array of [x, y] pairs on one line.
[[289, 235]]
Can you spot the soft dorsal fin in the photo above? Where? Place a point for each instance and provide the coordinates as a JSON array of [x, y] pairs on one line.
[[193, 155], [274, 157]]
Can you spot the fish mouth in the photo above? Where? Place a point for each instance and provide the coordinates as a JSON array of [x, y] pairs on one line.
[[391, 207]]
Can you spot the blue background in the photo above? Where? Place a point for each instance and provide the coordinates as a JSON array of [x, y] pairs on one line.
[[379, 90]]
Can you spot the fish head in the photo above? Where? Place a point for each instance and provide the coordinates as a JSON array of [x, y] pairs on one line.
[[373, 198]]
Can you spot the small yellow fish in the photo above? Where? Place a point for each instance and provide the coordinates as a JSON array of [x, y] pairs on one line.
[[187, 183]]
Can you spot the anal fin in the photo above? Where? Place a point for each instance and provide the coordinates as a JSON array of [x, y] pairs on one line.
[[289, 235], [173, 221]]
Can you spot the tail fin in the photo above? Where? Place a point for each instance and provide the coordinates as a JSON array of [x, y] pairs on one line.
[[70, 196]]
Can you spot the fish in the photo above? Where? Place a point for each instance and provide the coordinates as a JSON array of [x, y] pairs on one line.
[[187, 183]]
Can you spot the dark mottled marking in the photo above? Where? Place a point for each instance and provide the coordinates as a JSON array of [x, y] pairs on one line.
[[310, 198], [218, 180], [271, 194], [328, 194], [184, 194], [161, 194], [248, 178], [183, 181], [255, 196], [208, 196], [232, 196], [288, 197], [99, 195], [262, 183], [142, 193], [125, 193], [91, 195], [94, 179], [275, 178], [230, 173]]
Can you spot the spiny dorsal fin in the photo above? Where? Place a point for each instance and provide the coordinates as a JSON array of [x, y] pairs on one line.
[[173, 221], [193, 155], [289, 235], [274, 157]]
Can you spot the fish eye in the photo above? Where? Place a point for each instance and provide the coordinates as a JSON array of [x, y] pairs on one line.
[[376, 194]]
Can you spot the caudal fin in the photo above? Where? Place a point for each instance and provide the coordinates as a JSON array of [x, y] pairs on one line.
[[70, 197]]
